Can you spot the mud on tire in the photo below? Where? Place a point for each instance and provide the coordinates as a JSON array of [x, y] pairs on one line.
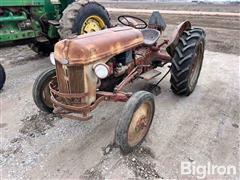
[[39, 86], [187, 61], [75, 15], [130, 109]]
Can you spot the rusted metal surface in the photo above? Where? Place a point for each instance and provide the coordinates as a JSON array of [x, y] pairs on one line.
[[161, 56], [77, 79], [131, 76], [74, 91], [176, 35], [157, 54], [150, 74], [119, 96], [89, 48], [71, 105], [82, 52]]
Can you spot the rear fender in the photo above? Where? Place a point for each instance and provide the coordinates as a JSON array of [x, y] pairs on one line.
[[176, 36]]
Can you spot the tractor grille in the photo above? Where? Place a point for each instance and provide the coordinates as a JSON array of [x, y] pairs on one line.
[[70, 78]]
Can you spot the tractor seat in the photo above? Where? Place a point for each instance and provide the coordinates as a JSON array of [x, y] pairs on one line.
[[150, 36]]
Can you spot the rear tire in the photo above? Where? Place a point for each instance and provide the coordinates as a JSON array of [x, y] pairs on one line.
[[2, 76], [187, 61], [77, 13], [135, 121], [41, 91]]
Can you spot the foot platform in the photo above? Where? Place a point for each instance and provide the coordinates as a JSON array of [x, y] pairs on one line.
[[150, 74]]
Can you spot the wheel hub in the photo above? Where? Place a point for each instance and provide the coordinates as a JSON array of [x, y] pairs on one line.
[[92, 24], [140, 124]]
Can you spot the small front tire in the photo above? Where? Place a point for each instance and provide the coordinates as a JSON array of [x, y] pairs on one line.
[[41, 92], [135, 121]]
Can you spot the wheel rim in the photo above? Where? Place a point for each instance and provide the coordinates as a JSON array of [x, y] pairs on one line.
[[196, 66], [46, 95], [92, 24], [140, 124]]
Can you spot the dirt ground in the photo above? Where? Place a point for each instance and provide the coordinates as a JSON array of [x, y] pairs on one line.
[[201, 128], [223, 32], [208, 7]]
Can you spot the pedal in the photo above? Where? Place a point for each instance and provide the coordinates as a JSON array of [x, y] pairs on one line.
[[150, 74]]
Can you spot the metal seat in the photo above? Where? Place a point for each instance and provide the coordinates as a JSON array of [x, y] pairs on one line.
[[150, 36]]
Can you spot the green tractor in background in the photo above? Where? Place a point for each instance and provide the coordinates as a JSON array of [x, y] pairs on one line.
[[41, 23]]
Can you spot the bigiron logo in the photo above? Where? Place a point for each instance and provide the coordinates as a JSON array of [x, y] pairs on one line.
[[202, 171]]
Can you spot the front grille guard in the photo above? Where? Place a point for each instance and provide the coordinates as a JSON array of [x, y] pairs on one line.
[[67, 104], [70, 106]]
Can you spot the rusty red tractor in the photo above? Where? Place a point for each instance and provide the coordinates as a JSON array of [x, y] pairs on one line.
[[95, 67]]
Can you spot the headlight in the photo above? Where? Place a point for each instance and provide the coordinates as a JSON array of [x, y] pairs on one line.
[[101, 70], [52, 58]]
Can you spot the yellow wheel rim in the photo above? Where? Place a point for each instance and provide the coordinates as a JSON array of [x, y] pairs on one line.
[[92, 24], [140, 124]]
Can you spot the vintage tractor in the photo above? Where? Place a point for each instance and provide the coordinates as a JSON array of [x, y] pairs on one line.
[[41, 23], [96, 67], [2, 76]]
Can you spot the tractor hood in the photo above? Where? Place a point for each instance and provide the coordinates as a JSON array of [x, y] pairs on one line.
[[88, 48]]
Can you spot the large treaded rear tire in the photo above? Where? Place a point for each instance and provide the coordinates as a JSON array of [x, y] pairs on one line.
[[2, 76], [40, 83], [182, 62], [75, 15]]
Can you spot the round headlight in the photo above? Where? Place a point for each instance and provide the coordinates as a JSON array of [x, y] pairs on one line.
[[52, 58], [101, 70]]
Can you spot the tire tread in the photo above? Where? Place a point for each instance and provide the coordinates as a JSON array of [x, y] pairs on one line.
[[37, 89], [182, 59], [71, 13]]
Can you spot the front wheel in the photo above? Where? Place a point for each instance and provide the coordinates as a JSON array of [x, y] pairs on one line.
[[2, 76], [187, 61], [135, 121], [41, 92]]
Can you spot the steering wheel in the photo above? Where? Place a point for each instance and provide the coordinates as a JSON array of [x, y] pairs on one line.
[[132, 21]]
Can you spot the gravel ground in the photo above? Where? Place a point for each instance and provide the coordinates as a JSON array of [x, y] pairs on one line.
[[223, 33], [174, 6], [201, 128]]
